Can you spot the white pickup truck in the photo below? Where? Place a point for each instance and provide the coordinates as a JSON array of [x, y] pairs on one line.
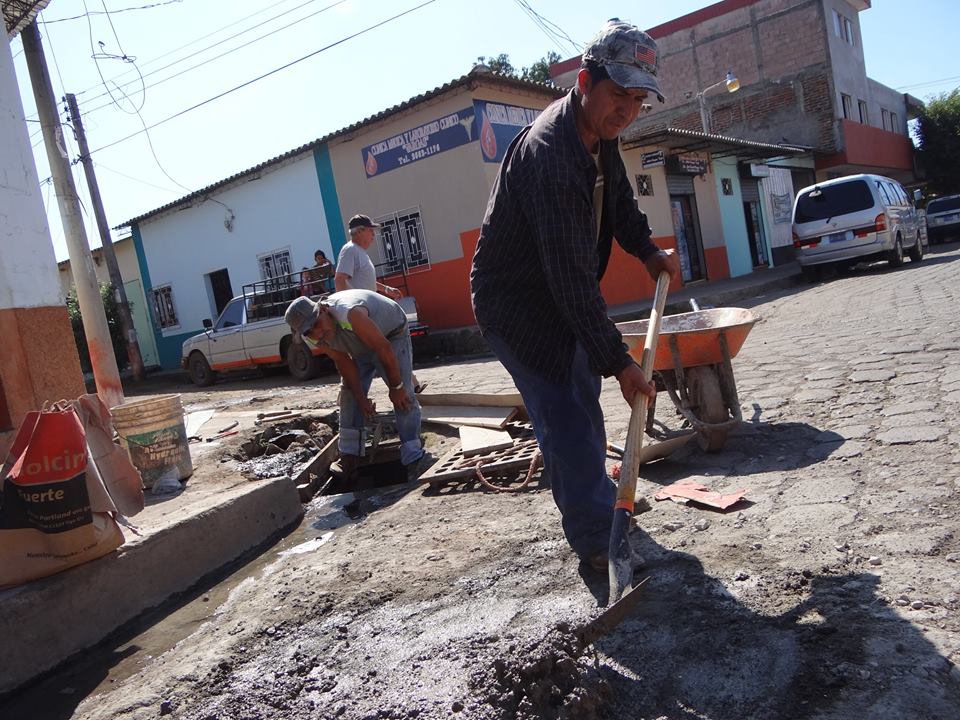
[[251, 333]]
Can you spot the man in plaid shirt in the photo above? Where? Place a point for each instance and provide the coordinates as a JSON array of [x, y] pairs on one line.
[[561, 196]]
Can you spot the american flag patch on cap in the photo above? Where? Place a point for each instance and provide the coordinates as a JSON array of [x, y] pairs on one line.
[[644, 54]]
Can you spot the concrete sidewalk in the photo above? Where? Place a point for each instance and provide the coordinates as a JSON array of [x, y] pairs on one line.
[[181, 540]]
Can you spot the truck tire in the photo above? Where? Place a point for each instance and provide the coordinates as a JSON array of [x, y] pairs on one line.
[[302, 363], [200, 372]]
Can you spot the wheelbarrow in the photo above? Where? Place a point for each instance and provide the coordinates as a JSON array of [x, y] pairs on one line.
[[692, 364]]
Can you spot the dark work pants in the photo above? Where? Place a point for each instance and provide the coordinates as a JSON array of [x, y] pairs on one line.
[[568, 422]]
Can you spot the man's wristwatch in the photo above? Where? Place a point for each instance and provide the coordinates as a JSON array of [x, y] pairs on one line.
[[398, 386]]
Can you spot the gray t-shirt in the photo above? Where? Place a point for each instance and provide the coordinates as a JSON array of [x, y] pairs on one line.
[[387, 315], [354, 261]]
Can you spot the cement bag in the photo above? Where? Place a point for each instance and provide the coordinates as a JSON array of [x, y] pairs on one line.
[[55, 512]]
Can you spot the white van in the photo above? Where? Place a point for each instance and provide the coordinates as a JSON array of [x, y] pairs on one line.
[[854, 219]]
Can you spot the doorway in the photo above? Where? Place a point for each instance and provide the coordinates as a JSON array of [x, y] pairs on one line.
[[756, 237], [686, 229], [221, 289]]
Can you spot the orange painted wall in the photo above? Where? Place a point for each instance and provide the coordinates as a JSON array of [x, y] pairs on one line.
[[38, 361], [443, 292], [627, 280], [718, 267]]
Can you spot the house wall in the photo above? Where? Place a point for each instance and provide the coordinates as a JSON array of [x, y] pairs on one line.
[[279, 208], [776, 48], [450, 189], [732, 220], [126, 255], [36, 365]]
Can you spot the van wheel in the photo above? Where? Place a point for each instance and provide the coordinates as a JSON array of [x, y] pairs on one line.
[[811, 273], [895, 256], [916, 252], [303, 365], [200, 372]]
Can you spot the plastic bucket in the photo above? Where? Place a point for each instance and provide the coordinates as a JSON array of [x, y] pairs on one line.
[[154, 435]]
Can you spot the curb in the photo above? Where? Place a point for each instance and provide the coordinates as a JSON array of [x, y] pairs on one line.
[[45, 622]]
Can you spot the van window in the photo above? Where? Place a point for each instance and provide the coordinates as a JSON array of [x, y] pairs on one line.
[[882, 187], [944, 204], [894, 195], [829, 201]]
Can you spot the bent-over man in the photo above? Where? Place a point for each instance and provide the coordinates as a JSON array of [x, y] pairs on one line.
[[365, 334]]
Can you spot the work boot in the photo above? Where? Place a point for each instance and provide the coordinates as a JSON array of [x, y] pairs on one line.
[[345, 469], [600, 562], [419, 466]]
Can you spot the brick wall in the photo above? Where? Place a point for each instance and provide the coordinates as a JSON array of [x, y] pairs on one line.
[[777, 49]]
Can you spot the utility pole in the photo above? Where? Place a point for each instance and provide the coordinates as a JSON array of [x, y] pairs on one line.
[[105, 371], [126, 321]]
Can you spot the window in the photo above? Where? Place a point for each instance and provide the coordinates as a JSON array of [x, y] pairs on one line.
[[885, 118], [886, 194], [274, 265], [864, 118], [232, 315], [847, 106], [832, 200], [403, 241], [164, 311], [894, 122], [843, 28]]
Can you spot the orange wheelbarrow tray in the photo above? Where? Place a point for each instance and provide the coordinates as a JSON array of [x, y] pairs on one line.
[[692, 363]]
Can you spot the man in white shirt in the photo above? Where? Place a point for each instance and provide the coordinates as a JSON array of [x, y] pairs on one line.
[[355, 270]]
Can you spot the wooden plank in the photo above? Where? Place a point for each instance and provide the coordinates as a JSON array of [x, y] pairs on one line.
[[475, 440], [511, 399], [319, 464], [488, 417]]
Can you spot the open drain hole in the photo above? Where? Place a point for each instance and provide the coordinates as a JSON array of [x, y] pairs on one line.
[[368, 477]]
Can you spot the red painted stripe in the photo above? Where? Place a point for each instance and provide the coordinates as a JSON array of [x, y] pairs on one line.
[[266, 360], [231, 365], [685, 22]]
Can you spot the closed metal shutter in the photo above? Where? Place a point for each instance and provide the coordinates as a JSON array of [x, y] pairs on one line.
[[680, 184], [750, 189]]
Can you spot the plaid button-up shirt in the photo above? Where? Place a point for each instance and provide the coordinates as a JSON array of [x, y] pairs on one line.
[[536, 272]]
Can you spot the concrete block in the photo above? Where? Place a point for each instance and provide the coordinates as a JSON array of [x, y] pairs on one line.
[[46, 621]]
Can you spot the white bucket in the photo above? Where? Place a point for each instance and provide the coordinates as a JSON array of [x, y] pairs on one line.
[[153, 433]]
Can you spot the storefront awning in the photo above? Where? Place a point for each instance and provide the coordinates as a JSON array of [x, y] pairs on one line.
[[718, 146]]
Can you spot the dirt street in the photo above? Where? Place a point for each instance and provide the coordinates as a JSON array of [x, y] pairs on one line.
[[833, 594]]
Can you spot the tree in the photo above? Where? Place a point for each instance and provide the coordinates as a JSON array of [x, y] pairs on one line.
[[113, 323], [538, 72], [938, 133]]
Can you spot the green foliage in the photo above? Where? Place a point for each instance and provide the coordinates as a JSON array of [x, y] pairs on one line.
[[112, 310], [938, 133], [538, 72]]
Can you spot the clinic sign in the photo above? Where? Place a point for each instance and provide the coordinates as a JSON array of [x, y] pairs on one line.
[[499, 125], [434, 137]]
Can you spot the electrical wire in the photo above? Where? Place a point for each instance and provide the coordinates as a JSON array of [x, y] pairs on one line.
[[101, 166], [204, 37], [546, 27], [267, 74], [120, 10], [216, 57], [102, 55]]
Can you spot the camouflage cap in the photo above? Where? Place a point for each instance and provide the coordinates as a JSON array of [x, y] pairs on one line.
[[628, 55], [302, 315]]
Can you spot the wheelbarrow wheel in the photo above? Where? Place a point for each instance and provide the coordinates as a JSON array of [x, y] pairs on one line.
[[703, 386]]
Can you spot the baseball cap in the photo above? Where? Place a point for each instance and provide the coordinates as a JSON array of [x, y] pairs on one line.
[[628, 55], [361, 221], [302, 315]]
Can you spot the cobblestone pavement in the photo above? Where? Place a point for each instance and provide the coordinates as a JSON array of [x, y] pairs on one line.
[[832, 594]]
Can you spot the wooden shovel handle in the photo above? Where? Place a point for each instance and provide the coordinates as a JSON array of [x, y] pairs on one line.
[[630, 466]]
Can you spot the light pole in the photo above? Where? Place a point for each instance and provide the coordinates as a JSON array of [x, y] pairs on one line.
[[732, 85]]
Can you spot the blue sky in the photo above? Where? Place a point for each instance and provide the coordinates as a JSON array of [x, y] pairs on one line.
[[355, 78]]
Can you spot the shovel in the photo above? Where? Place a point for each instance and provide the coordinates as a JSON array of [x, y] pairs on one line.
[[621, 569]]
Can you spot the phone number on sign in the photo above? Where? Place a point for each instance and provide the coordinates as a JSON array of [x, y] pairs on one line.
[[420, 154]]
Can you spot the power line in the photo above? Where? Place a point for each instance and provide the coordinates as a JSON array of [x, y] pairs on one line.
[[204, 37], [216, 57], [101, 166], [96, 57], [927, 83], [120, 10], [267, 74]]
